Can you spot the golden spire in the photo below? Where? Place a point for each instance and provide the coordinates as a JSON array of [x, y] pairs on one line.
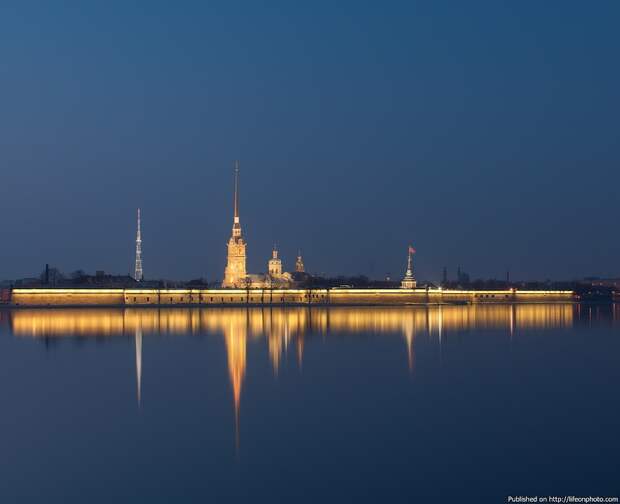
[[236, 224], [235, 273]]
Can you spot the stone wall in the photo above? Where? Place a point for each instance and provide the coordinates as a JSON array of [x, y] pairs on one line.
[[276, 297], [67, 297]]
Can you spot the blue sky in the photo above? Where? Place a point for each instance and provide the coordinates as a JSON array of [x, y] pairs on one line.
[[484, 133]]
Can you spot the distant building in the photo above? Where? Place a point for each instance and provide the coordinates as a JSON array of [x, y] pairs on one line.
[[613, 283], [408, 281], [100, 279], [275, 264], [462, 278], [299, 264]]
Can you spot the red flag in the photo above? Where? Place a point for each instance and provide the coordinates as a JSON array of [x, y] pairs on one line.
[[411, 250]]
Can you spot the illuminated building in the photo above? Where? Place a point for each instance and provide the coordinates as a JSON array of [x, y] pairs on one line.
[[409, 281], [299, 264], [235, 274], [138, 270], [275, 264]]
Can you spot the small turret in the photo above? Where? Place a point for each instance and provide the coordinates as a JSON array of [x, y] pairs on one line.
[[409, 281], [275, 264], [299, 263]]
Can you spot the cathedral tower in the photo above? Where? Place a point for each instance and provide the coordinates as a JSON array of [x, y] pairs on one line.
[[235, 274]]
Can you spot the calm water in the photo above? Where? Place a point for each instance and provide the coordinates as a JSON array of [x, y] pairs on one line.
[[467, 403]]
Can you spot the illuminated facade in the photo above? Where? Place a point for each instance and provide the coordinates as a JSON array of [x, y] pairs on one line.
[[272, 295], [235, 272], [299, 264], [275, 264]]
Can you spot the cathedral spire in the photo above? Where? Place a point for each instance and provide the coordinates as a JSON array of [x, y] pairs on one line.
[[236, 223], [235, 274], [236, 190]]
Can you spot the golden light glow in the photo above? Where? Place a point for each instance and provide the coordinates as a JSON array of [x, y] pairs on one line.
[[235, 336], [286, 323], [138, 342], [280, 327], [129, 297]]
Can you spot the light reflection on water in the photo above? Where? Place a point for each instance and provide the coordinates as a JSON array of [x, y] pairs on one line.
[[282, 328], [289, 330]]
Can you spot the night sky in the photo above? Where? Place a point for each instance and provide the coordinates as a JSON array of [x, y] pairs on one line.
[[485, 134]]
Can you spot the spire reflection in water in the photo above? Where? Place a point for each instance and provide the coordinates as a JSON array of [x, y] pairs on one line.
[[220, 405], [280, 327]]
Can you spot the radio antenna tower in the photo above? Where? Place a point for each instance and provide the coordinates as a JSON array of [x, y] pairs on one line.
[[138, 271]]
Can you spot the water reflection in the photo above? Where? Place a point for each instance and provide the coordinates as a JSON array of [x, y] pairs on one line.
[[236, 338], [280, 328], [138, 338], [282, 325]]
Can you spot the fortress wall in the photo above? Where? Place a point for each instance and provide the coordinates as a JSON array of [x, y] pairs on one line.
[[276, 297], [141, 297], [377, 296], [543, 296], [67, 297]]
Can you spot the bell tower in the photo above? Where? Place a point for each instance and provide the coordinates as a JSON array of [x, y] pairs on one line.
[[235, 274], [299, 263], [275, 264]]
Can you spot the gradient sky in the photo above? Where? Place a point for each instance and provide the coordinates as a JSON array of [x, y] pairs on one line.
[[485, 134]]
